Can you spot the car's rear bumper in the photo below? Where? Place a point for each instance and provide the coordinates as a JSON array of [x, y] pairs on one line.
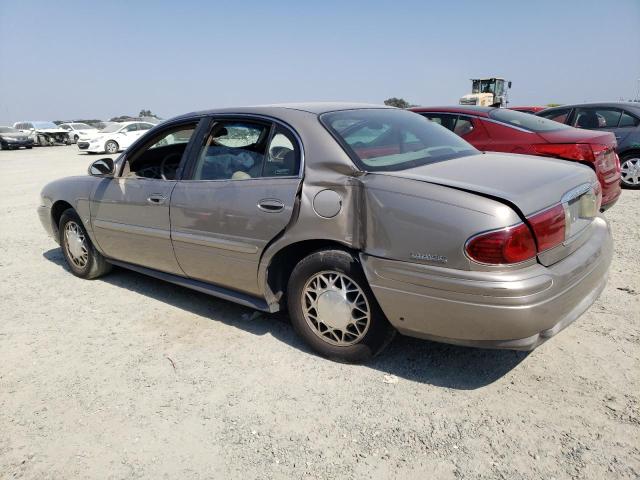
[[514, 310]]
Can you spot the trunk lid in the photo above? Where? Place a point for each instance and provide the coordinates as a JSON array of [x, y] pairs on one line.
[[529, 183], [577, 135]]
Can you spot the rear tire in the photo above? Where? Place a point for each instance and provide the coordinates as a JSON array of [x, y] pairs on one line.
[[111, 147], [83, 259], [630, 170], [333, 309]]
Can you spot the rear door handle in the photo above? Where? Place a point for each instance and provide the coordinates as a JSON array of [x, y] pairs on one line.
[[156, 199], [270, 205]]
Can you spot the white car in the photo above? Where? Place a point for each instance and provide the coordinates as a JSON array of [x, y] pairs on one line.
[[77, 130], [114, 138]]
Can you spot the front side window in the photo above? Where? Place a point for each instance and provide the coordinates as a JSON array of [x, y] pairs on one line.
[[131, 128], [160, 157], [233, 150], [402, 139], [591, 118], [144, 126]]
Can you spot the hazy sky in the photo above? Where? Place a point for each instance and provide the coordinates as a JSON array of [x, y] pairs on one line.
[[88, 59]]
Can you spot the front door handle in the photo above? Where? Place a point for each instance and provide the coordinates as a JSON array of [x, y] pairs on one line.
[[156, 199], [270, 205]]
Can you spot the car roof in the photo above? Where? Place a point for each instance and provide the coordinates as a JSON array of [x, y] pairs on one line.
[[632, 105], [470, 109], [315, 108]]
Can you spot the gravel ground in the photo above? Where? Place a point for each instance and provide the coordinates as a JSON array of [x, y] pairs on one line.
[[127, 377]]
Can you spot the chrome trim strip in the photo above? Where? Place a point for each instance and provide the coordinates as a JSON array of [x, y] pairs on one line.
[[134, 229], [576, 192], [216, 242]]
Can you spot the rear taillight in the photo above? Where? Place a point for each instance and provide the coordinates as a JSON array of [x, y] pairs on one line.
[[606, 159], [521, 242], [568, 151], [548, 227], [509, 245]]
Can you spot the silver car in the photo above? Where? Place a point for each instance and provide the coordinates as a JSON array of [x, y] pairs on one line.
[[361, 220]]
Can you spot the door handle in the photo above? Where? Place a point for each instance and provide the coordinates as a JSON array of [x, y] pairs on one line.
[[156, 199], [270, 205]]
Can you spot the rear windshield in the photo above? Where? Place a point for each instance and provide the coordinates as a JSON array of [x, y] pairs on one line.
[[525, 120], [389, 139]]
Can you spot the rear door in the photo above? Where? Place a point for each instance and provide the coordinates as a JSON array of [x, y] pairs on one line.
[[238, 193]]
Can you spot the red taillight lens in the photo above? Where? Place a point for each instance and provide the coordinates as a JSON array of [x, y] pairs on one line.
[[569, 151], [606, 158], [509, 245], [597, 190], [548, 227]]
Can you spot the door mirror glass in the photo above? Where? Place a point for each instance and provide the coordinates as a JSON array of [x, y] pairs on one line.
[[102, 168]]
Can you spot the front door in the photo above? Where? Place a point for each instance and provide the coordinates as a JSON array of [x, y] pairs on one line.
[[238, 194], [130, 213]]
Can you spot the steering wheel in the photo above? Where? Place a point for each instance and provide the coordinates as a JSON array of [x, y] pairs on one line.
[[163, 166]]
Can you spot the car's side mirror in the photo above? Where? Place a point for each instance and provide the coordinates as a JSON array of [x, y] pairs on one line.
[[102, 168]]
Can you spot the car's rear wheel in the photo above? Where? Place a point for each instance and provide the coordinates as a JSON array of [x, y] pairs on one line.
[[111, 147], [333, 309], [630, 170], [81, 256]]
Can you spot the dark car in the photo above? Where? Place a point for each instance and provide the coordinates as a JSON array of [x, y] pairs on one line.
[[621, 118], [504, 130], [12, 138]]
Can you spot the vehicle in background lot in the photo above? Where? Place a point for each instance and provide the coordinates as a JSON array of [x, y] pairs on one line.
[[487, 92], [529, 109], [75, 130], [12, 138], [114, 138], [505, 130], [621, 118], [362, 220], [43, 133]]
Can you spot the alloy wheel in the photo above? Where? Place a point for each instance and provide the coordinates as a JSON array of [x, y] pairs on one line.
[[630, 170], [335, 308]]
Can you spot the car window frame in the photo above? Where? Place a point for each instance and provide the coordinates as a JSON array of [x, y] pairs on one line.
[[191, 163]]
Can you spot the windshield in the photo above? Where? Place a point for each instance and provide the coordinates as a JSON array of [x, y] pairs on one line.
[[525, 120], [44, 125], [111, 128], [8, 130], [390, 140]]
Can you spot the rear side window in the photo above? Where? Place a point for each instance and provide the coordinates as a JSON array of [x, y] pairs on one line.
[[628, 120], [524, 120], [233, 150], [556, 115], [459, 124], [596, 118]]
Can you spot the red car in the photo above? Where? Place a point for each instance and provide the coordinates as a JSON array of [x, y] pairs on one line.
[[505, 130], [529, 109]]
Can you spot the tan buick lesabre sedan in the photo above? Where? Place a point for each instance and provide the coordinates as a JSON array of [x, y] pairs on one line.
[[361, 220]]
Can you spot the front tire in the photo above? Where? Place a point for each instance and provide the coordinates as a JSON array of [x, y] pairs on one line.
[[111, 147], [82, 257], [333, 309], [630, 170]]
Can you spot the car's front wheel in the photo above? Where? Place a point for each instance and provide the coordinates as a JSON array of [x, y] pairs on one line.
[[333, 309], [81, 256], [111, 147], [630, 170]]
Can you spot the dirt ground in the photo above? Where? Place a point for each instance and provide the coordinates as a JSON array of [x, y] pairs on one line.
[[129, 377]]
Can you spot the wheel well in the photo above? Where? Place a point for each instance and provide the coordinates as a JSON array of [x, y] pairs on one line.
[[57, 209], [283, 262], [631, 151]]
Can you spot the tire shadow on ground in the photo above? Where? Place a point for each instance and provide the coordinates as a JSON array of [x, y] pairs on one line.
[[413, 359]]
